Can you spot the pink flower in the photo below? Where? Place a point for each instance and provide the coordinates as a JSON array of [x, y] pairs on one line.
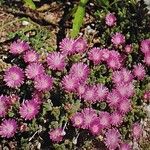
[[136, 130], [114, 60], [43, 82], [18, 47], [90, 94], [105, 54], [146, 96], [56, 61], [110, 19], [89, 115], [147, 58], [3, 106], [105, 119], [80, 45], [14, 77], [29, 109], [8, 128], [139, 71], [95, 127], [113, 99], [56, 135], [118, 39], [101, 92], [112, 138], [127, 75], [66, 46], [70, 83], [33, 70], [124, 106], [116, 118], [128, 48], [117, 77], [145, 46], [95, 55], [125, 146], [77, 120], [31, 56], [80, 71], [81, 89]]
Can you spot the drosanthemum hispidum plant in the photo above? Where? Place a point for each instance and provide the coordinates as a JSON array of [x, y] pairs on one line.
[[80, 95]]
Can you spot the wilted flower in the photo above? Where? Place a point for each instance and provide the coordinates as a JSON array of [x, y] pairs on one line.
[[3, 106], [110, 19], [80, 45], [145, 46], [43, 82], [95, 55], [66, 46], [89, 115], [19, 47], [56, 61], [128, 48], [77, 119], [118, 39], [112, 138], [33, 70], [8, 128], [14, 77], [29, 109], [139, 71], [56, 135], [80, 71], [30, 56], [136, 130]]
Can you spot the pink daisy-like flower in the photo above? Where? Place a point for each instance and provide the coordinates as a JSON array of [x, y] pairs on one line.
[[112, 138], [19, 47], [114, 60], [70, 83], [118, 39], [43, 82], [146, 96], [29, 109], [56, 135], [89, 115], [110, 19], [31, 56], [77, 120], [90, 94], [125, 146], [3, 106], [80, 71], [145, 46], [105, 119], [14, 77], [95, 127], [95, 55], [113, 99], [116, 118], [80, 45], [124, 106], [127, 75], [117, 77], [8, 128], [105, 54], [128, 48], [147, 58], [56, 61], [33, 70], [66, 46], [139, 71], [81, 89], [136, 130], [101, 92]]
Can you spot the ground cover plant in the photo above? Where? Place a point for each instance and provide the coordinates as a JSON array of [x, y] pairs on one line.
[[85, 86]]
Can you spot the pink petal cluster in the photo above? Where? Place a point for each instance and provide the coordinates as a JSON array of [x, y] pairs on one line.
[[125, 146], [29, 109], [110, 19], [19, 47], [8, 128], [56, 135], [118, 39], [137, 130], [56, 61], [112, 138], [14, 77], [128, 48]]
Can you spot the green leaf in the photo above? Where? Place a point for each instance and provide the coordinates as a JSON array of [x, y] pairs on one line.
[[30, 4]]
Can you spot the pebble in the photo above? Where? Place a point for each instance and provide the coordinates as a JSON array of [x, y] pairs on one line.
[[25, 23]]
